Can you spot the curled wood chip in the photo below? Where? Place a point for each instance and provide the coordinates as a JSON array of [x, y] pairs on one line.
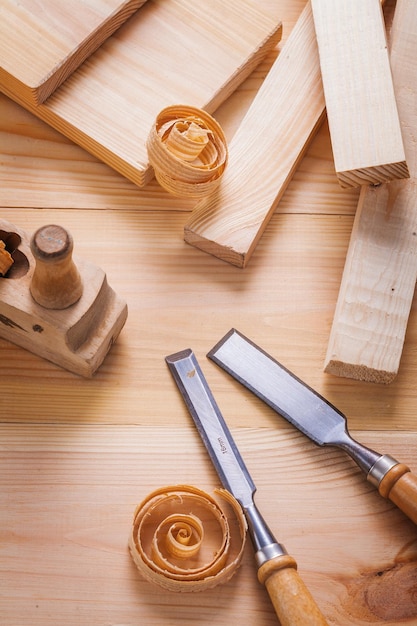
[[187, 150], [184, 540], [6, 260]]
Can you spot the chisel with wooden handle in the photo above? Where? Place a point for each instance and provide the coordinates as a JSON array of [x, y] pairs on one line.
[[312, 415], [277, 570]]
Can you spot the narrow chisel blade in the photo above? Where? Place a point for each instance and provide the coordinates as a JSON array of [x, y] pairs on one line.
[[211, 426], [277, 570]]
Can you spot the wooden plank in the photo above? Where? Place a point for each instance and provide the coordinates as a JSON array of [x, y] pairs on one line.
[[71, 493], [379, 278], [171, 51], [42, 168], [359, 93], [41, 45], [264, 152], [284, 300]]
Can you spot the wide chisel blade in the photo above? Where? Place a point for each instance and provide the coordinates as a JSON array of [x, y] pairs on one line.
[[313, 415], [277, 570]]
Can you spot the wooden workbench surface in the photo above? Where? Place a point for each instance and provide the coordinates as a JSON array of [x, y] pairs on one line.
[[78, 454]]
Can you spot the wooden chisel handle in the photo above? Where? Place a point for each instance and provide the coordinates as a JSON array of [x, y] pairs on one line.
[[400, 486], [292, 601]]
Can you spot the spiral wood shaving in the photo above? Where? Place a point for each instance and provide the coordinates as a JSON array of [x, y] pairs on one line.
[[185, 540], [6, 260], [187, 150]]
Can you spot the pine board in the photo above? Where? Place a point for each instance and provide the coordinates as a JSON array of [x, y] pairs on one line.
[[71, 496], [42, 43], [378, 283], [264, 152], [360, 100], [171, 51], [177, 297], [42, 168], [78, 455]]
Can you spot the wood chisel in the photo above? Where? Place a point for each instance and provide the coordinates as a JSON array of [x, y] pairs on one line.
[[312, 415], [293, 603]]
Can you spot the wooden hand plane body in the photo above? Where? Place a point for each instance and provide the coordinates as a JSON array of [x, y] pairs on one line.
[[76, 337]]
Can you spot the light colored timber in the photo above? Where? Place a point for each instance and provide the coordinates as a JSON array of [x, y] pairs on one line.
[[169, 52], [41, 44], [264, 152], [67, 313], [378, 284], [360, 99], [66, 175], [71, 493], [78, 454]]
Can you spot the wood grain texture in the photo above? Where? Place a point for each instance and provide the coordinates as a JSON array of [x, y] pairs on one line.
[[77, 455], [264, 152], [170, 52], [42, 43], [71, 492], [42, 168], [377, 288], [359, 93], [177, 296]]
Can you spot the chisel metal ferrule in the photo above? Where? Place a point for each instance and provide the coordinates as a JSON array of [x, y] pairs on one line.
[[380, 468], [269, 552], [265, 545]]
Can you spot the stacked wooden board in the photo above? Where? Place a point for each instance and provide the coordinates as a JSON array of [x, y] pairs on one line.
[[279, 125], [169, 52], [177, 51], [78, 455], [378, 283], [264, 152], [359, 92], [41, 44], [370, 118]]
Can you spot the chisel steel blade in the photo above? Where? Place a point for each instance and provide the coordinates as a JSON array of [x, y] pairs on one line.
[[288, 395], [211, 426], [221, 447], [312, 414], [279, 388]]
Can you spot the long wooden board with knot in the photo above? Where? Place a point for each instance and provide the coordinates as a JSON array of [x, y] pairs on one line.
[[378, 283]]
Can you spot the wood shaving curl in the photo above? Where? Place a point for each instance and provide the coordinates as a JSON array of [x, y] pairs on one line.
[[187, 150], [185, 540], [6, 260]]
